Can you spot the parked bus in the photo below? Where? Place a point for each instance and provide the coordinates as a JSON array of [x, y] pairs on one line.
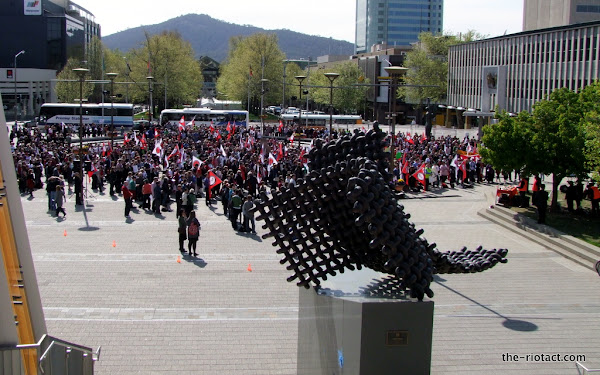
[[204, 116], [57, 113], [312, 119]]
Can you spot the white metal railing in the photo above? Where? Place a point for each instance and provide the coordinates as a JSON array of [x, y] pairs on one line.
[[88, 355], [585, 369]]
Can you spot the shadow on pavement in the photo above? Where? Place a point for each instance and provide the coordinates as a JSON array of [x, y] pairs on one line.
[[513, 324]]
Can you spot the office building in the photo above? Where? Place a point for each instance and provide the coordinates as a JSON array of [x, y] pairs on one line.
[[395, 23], [516, 71], [541, 14], [49, 32]]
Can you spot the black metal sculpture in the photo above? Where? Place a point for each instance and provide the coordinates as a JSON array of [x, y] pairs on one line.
[[344, 215]]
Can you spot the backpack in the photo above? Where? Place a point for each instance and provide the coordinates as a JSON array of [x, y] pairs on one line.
[[193, 229]]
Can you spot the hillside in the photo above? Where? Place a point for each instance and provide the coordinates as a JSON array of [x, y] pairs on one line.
[[210, 37]]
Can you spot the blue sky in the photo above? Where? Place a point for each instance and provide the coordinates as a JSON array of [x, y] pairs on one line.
[[328, 18]]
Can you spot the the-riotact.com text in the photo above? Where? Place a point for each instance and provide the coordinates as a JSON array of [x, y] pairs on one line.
[[542, 357]]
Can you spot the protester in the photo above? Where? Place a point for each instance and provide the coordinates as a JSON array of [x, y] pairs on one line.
[[193, 227], [182, 229]]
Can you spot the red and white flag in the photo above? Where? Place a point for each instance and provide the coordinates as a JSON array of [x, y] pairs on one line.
[[182, 124], [409, 139], [223, 151], [192, 123], [213, 180], [420, 175], [272, 160], [196, 163], [126, 139], [292, 139], [143, 141], [174, 152], [280, 129], [157, 148], [211, 127]]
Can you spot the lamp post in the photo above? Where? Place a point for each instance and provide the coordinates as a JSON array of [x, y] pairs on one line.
[[331, 77], [262, 98], [151, 109], [15, 79], [394, 72], [112, 77], [300, 79], [81, 72]]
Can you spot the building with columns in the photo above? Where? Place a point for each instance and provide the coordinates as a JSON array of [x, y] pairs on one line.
[[516, 71]]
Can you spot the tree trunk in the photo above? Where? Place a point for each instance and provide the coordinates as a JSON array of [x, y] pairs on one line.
[[556, 180]]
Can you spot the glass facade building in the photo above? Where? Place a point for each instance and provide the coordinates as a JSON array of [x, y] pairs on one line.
[[50, 32], [395, 23]]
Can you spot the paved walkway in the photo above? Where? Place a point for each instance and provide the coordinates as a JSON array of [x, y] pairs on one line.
[[152, 315]]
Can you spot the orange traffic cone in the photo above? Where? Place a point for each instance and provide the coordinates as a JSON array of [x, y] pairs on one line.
[[65, 233], [178, 258], [249, 268], [114, 243]]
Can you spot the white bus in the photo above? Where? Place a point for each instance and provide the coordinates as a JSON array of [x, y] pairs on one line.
[[203, 116], [99, 114], [312, 119]]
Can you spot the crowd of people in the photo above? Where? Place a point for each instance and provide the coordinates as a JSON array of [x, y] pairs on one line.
[[156, 167]]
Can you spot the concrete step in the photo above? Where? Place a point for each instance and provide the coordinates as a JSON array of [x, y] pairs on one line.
[[570, 247]]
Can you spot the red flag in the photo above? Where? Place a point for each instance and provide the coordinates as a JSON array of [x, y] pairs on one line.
[[213, 180], [280, 129], [125, 139], [156, 135], [292, 139], [280, 153], [228, 127], [211, 127], [463, 167], [420, 175], [405, 168], [181, 124], [409, 139], [144, 143]]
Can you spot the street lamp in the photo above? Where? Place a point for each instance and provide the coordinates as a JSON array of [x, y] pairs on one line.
[[112, 77], [331, 77], [81, 72], [15, 79], [151, 109], [262, 98], [300, 79], [394, 72]]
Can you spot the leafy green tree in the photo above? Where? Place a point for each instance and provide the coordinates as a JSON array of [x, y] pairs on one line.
[[67, 87], [549, 141], [292, 88], [171, 62], [590, 98], [242, 72], [427, 62], [558, 138], [348, 95], [507, 141]]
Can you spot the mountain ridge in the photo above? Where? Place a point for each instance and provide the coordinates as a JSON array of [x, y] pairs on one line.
[[210, 37]]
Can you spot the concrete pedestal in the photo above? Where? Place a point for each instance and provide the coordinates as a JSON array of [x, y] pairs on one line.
[[357, 324]]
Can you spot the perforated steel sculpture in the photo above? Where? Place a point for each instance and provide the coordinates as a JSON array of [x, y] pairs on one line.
[[344, 215]]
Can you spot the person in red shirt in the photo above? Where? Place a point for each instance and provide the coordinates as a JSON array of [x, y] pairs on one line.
[[127, 196]]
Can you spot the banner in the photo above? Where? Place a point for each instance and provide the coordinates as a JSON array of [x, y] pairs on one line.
[[32, 7]]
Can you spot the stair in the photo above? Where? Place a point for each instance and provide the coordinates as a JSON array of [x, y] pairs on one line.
[[569, 247]]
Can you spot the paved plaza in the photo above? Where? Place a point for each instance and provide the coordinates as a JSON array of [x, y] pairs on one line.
[[153, 315]]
